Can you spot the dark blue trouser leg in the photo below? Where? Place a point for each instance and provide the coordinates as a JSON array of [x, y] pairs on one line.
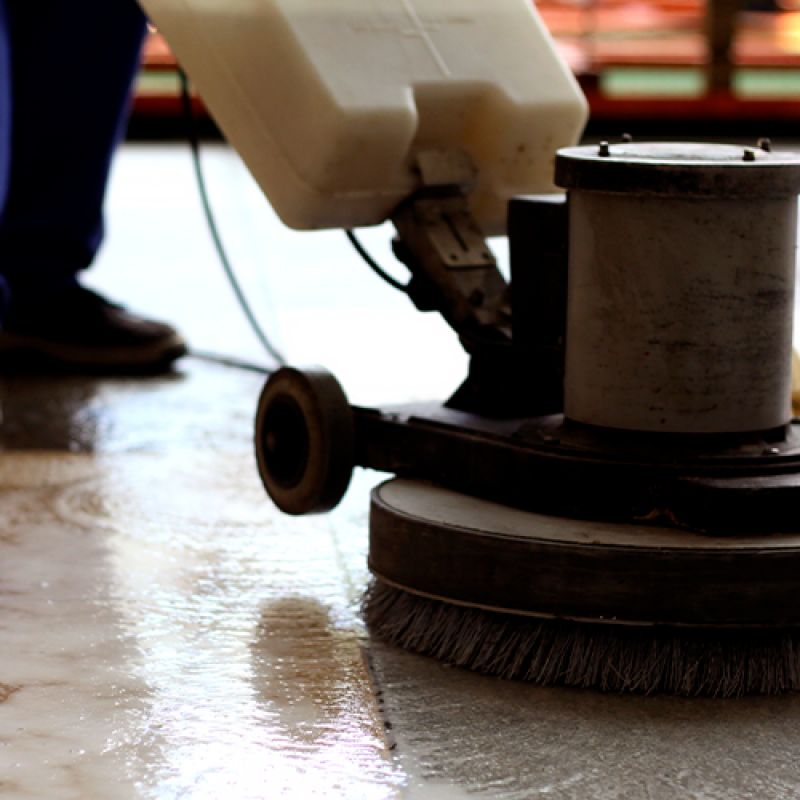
[[5, 129], [72, 63]]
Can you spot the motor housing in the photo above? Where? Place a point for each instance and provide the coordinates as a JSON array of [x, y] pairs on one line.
[[681, 286]]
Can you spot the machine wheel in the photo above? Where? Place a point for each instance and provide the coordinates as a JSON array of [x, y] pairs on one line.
[[305, 440]]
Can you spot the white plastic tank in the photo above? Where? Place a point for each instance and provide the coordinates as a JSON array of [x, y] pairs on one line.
[[327, 101]]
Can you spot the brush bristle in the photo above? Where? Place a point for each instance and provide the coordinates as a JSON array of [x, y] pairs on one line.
[[608, 657]]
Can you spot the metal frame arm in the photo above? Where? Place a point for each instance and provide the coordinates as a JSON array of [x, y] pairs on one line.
[[443, 246]]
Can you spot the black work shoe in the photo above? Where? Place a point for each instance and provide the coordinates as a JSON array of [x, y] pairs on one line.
[[77, 330]]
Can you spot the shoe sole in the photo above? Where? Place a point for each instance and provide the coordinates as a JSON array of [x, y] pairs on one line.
[[25, 353]]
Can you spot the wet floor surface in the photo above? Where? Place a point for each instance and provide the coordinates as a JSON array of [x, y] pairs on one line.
[[166, 633]]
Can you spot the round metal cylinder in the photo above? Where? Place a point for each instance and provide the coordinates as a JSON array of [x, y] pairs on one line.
[[681, 287]]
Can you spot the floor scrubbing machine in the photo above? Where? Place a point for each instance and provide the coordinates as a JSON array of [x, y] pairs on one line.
[[619, 473]]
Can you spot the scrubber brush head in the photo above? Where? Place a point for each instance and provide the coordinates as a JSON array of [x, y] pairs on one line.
[[552, 601], [611, 658]]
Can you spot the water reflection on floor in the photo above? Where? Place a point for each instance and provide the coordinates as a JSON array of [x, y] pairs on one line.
[[167, 634]]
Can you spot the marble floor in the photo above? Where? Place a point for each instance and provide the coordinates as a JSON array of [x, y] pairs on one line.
[[166, 633]]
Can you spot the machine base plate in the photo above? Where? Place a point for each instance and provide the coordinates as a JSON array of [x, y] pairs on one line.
[[441, 544]]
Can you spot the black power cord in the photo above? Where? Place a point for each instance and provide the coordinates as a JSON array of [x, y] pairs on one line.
[[373, 265], [194, 144]]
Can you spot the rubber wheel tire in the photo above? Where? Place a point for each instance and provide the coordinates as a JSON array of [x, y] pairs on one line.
[[305, 440]]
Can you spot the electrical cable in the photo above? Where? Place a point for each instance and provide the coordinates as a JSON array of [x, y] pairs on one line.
[[373, 265], [194, 144], [231, 361]]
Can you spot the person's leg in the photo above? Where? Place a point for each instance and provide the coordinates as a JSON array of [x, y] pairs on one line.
[[5, 123], [72, 63]]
